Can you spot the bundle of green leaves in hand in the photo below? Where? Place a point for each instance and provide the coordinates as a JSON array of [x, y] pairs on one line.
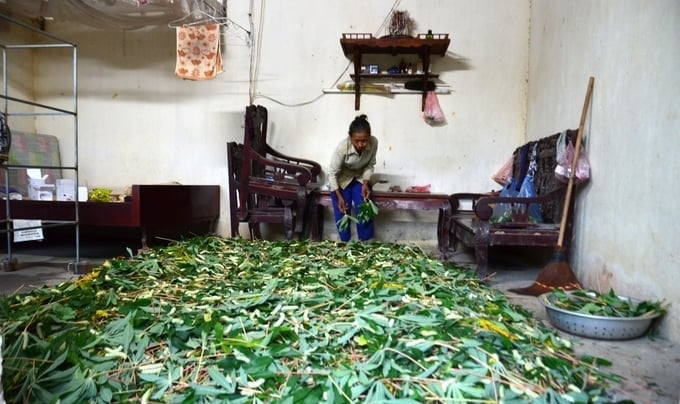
[[345, 220], [367, 211]]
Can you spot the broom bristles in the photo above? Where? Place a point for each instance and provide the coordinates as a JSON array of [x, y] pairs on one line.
[[556, 275]]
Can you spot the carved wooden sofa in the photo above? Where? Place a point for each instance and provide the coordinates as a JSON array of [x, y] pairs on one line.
[[470, 219]]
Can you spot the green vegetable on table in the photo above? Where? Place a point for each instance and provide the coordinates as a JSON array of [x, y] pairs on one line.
[[99, 195], [604, 304]]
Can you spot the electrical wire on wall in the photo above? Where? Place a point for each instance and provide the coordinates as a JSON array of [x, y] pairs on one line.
[[256, 52], [255, 49], [201, 13]]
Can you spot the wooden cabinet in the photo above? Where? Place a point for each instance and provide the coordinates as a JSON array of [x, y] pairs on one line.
[[355, 46], [152, 209]]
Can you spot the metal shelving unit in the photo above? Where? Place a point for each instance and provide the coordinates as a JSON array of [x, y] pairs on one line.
[[16, 108]]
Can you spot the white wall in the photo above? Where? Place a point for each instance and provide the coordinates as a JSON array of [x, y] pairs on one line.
[[141, 124], [16, 64], [627, 224]]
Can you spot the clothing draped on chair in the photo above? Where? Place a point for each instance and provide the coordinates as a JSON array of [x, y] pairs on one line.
[[199, 56]]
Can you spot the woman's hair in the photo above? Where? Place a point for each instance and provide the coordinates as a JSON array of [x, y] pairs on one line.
[[360, 124]]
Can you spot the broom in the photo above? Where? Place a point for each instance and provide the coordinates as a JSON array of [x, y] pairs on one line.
[[557, 274]]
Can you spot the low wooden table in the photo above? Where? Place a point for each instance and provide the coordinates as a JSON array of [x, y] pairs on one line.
[[391, 201], [152, 209]]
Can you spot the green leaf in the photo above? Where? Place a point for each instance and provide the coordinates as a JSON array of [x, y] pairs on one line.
[[206, 390], [57, 377], [219, 332], [218, 377], [162, 383], [378, 393], [105, 394]]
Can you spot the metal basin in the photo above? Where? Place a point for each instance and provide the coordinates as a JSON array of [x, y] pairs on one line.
[[597, 327]]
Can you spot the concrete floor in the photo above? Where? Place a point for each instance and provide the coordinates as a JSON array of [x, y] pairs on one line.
[[650, 369]]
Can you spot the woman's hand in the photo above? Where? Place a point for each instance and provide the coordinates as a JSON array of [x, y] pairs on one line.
[[365, 190], [342, 205]]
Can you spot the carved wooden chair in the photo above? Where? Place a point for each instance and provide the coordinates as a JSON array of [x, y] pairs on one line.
[[234, 161], [258, 141], [256, 122], [251, 208], [268, 186]]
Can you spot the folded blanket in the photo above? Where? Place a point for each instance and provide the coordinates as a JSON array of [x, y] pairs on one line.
[[198, 52]]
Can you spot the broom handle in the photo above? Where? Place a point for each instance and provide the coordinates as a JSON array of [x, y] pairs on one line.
[[572, 173]]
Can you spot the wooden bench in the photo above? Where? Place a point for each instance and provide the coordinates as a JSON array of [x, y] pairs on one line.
[[469, 220]]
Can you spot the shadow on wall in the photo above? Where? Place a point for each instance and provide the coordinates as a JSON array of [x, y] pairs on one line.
[[453, 62], [384, 181], [121, 49]]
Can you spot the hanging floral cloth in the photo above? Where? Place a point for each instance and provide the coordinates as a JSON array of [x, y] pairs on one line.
[[198, 52]]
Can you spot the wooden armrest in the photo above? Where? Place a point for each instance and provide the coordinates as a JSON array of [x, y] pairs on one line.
[[302, 174], [484, 205], [312, 166], [455, 199]]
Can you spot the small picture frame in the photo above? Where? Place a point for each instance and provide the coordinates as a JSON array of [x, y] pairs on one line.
[[373, 69]]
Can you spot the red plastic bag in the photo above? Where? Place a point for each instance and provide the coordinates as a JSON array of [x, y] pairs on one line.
[[504, 173], [423, 189], [432, 113]]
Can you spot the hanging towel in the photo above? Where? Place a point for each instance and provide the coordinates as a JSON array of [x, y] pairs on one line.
[[198, 52]]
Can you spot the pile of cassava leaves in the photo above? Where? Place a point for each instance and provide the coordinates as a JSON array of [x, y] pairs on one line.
[[222, 320]]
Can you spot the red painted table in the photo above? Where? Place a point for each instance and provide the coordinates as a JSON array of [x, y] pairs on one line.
[[152, 209]]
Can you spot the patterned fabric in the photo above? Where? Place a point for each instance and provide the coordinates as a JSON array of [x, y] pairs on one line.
[[544, 176], [35, 150], [198, 52]]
